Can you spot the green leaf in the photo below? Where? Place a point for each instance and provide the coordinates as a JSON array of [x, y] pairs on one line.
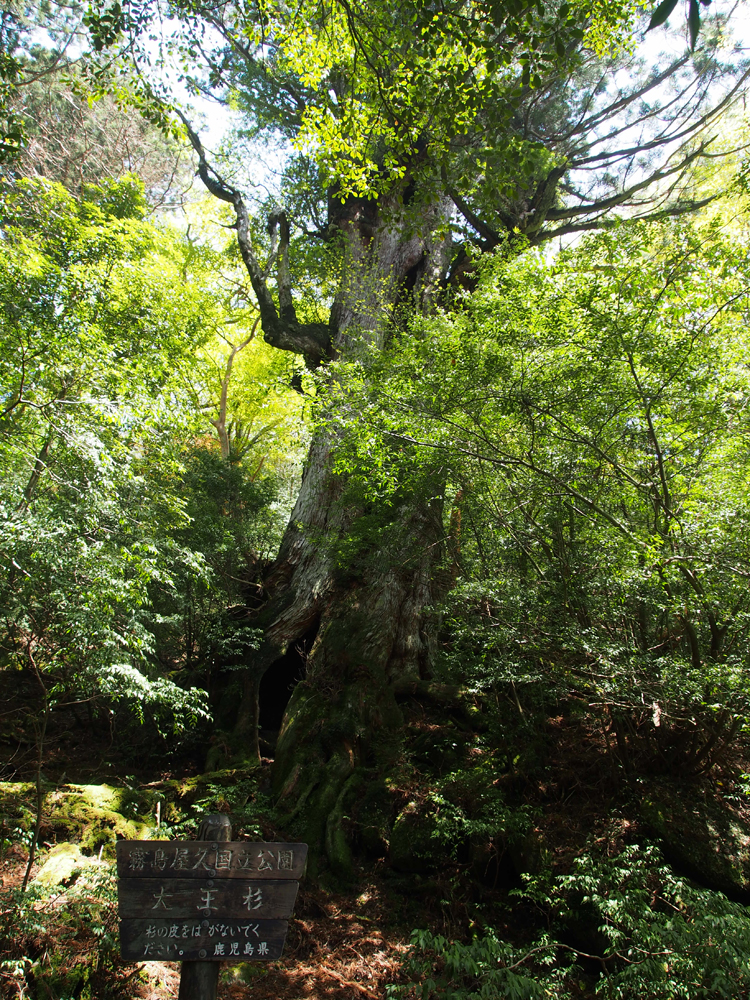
[[694, 22], [661, 13]]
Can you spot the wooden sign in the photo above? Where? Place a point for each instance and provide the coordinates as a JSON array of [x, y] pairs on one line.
[[206, 859], [220, 940], [206, 901]]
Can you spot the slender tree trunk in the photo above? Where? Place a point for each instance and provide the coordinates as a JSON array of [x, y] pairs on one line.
[[39, 466], [41, 734], [220, 421]]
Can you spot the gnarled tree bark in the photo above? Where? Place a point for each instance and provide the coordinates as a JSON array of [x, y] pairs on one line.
[[372, 636]]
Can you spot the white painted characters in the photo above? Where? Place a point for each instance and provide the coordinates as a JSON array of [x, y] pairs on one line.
[[215, 860], [161, 897], [254, 899]]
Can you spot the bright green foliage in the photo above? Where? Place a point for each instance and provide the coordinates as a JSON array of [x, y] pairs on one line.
[[228, 521], [125, 534], [265, 426], [94, 339], [592, 418], [666, 938], [482, 970], [381, 83], [370, 94], [243, 386]]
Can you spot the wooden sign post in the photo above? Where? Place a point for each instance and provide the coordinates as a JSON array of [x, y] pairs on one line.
[[205, 901]]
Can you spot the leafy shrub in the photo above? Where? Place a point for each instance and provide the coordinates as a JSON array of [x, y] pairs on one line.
[[667, 937], [590, 414], [484, 969], [469, 806], [661, 938], [62, 942]]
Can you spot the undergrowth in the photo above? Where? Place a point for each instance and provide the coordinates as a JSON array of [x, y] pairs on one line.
[[653, 936], [60, 943]]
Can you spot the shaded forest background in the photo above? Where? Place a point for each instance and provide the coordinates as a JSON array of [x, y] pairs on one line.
[[378, 474]]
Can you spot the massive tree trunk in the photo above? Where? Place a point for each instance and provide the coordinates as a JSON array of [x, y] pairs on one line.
[[371, 639], [366, 609]]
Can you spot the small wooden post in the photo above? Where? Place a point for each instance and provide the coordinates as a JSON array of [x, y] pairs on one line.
[[200, 980]]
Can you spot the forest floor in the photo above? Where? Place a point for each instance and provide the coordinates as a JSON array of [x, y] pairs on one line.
[[343, 942], [346, 941], [340, 946]]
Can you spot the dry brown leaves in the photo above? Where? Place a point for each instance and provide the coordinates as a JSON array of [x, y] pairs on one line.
[[339, 947]]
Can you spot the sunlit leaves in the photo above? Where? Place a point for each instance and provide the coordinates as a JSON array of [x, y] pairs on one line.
[[366, 88], [593, 415], [97, 325], [407, 81]]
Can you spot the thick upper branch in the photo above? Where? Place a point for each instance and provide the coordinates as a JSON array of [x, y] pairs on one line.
[[281, 327]]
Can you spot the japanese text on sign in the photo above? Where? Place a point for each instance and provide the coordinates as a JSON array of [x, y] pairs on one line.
[[187, 898], [197, 901], [176, 941], [181, 859], [201, 859], [248, 934]]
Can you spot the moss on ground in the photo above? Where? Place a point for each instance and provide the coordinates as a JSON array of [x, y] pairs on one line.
[[16, 807], [92, 816], [62, 864], [95, 817]]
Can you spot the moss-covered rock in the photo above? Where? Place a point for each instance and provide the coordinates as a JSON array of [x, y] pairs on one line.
[[96, 816], [16, 805], [703, 834], [61, 865], [93, 815]]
